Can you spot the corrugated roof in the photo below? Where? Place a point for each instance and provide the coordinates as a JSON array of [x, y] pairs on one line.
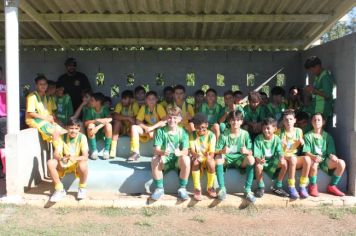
[[222, 24]]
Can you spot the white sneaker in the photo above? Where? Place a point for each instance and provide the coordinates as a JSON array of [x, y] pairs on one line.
[[82, 193], [106, 155], [58, 195], [94, 155]]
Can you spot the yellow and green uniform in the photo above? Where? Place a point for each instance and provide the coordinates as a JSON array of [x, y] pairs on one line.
[[74, 147], [234, 158], [164, 104], [64, 108], [271, 150], [213, 113], [43, 106], [131, 111], [292, 146], [274, 111], [186, 109]]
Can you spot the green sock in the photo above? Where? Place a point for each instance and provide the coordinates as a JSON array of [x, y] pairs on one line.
[[107, 144], [92, 143], [335, 180], [312, 179], [261, 184], [158, 183], [183, 183], [249, 178], [278, 183], [220, 176]]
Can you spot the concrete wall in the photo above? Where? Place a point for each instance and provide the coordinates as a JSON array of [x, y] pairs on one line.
[[339, 56]]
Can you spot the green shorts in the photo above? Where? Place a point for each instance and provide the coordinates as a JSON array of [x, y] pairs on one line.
[[271, 167], [234, 161], [170, 162], [323, 165]]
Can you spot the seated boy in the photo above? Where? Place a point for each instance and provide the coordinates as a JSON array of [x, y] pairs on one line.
[[238, 97], [150, 117], [40, 111], [319, 146], [295, 98], [171, 145], [276, 107], [253, 114], [124, 118], [212, 110], [292, 142], [97, 122], [140, 95], [70, 156], [303, 121], [229, 107], [269, 158], [202, 149], [199, 98], [64, 105], [187, 109], [234, 150], [167, 96]]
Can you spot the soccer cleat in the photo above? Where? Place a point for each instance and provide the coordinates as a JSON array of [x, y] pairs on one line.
[[279, 191], [82, 193], [106, 155], [211, 192], [183, 194], [250, 197], [222, 194], [293, 193], [259, 192], [134, 157], [332, 189], [197, 195], [58, 195], [157, 194], [313, 190], [303, 192], [94, 155]]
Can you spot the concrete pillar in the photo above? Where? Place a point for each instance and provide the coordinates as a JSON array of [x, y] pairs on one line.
[[12, 65]]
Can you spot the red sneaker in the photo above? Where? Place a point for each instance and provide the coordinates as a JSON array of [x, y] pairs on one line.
[[332, 189], [197, 195], [211, 192], [313, 190]]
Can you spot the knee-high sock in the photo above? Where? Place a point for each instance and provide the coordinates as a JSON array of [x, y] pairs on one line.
[[220, 175], [135, 145], [249, 178], [196, 179], [92, 143], [107, 144], [210, 181]]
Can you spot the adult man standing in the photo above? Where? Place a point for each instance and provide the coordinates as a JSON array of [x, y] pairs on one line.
[[74, 82]]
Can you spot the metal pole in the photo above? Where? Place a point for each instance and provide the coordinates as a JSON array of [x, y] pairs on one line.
[[12, 65]]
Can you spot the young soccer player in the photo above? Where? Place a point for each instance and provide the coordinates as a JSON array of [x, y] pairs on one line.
[[187, 109], [64, 105], [319, 146], [295, 98], [51, 90], [269, 158], [234, 150], [303, 122], [212, 110], [140, 95], [167, 96], [292, 142], [276, 108], [202, 149], [229, 106], [238, 97], [70, 156], [199, 98], [150, 117], [253, 114], [97, 121], [171, 145], [264, 99], [40, 111], [124, 118]]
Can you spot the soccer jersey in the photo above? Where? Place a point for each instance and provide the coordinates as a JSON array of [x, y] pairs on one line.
[[151, 117], [72, 146], [91, 114], [234, 143], [268, 149], [202, 144], [64, 108], [40, 105], [131, 110], [167, 141], [254, 116], [275, 112], [324, 83], [291, 144], [186, 109], [213, 113], [322, 146]]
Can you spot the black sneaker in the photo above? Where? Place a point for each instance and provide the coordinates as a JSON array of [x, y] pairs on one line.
[[259, 192], [279, 191]]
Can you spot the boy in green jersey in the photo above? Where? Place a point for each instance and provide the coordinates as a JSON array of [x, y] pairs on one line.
[[269, 158], [234, 150], [229, 107], [319, 146], [171, 144], [276, 107], [253, 114], [64, 105]]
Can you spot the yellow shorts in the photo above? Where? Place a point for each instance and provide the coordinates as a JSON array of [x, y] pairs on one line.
[[145, 138], [70, 169]]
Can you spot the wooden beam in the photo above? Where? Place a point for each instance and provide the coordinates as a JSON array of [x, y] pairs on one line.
[[317, 32], [26, 7], [180, 18]]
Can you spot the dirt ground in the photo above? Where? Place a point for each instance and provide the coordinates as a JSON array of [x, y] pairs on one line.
[[29, 220]]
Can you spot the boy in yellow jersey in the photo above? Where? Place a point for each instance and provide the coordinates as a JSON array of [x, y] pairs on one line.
[[292, 142], [202, 149], [40, 111], [171, 145], [70, 156], [167, 96], [187, 109], [150, 117], [320, 147], [124, 118]]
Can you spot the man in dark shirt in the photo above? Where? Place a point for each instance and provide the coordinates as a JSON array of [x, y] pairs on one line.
[[74, 82]]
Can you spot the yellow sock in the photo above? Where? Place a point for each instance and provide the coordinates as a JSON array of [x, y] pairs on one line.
[[84, 185], [211, 177], [291, 182], [113, 148], [196, 179], [135, 145], [303, 181], [58, 187]]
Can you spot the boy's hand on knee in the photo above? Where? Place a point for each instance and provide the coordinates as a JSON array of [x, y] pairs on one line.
[[318, 159], [333, 157]]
